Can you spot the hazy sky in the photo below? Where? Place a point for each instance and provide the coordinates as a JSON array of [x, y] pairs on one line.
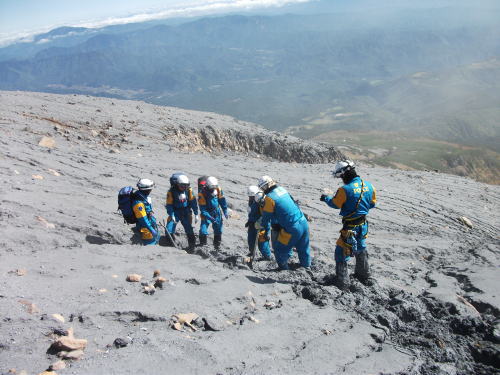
[[22, 18]]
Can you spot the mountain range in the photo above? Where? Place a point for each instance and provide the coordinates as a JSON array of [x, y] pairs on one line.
[[428, 71]]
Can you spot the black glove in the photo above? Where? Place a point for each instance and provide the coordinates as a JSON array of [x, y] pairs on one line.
[[323, 197]]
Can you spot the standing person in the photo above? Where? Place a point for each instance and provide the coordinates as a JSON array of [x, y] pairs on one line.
[[354, 199], [256, 235], [280, 208], [143, 212], [181, 206], [212, 201]]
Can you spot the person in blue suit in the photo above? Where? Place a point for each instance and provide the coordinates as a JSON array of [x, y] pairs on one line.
[[181, 207], [255, 233], [280, 208], [212, 205], [143, 211], [354, 199]]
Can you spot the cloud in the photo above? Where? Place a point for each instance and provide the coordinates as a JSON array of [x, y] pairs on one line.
[[201, 8]]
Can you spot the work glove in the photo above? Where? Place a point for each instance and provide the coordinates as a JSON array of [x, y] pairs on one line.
[[154, 233], [226, 215], [323, 197], [264, 235], [196, 219]]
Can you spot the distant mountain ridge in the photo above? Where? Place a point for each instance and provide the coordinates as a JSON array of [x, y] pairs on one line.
[[359, 68]]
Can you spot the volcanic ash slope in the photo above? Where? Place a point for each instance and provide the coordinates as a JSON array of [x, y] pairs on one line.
[[64, 250]]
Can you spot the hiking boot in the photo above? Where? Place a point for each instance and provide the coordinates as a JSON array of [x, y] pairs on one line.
[[362, 269], [342, 276], [217, 241], [191, 242], [203, 239]]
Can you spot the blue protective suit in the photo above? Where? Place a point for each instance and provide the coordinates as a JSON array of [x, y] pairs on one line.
[[212, 205], [280, 208], [181, 205], [346, 199], [255, 235], [146, 222]]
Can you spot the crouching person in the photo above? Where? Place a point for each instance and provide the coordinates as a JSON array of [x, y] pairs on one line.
[[143, 211], [280, 208]]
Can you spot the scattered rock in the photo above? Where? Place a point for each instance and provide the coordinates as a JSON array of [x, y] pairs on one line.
[[45, 222], [159, 282], [54, 172], [21, 271], [184, 319], [48, 373], [37, 177], [156, 273], [103, 290], [120, 343], [31, 308], [149, 289], [134, 278], [48, 142], [465, 221], [74, 355], [59, 365], [58, 317], [68, 343]]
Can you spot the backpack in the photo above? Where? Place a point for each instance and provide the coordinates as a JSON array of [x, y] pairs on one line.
[[202, 183], [125, 201]]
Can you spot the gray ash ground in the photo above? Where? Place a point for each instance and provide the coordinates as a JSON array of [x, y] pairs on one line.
[[433, 308]]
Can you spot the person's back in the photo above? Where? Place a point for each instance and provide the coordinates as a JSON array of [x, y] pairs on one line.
[[348, 196], [286, 211]]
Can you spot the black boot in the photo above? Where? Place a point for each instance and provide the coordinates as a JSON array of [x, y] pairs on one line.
[[217, 241], [191, 242], [342, 276], [362, 269], [203, 239]]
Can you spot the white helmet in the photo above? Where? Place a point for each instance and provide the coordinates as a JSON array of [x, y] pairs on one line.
[[252, 190], [259, 196], [182, 181], [265, 182], [145, 184], [212, 182], [341, 167]]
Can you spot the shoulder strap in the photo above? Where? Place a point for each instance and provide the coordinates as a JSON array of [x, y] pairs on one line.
[[359, 200]]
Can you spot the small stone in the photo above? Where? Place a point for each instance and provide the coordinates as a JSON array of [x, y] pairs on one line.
[[156, 273], [159, 282], [465, 221], [21, 271], [69, 343], [102, 290], [253, 319], [58, 317], [59, 365], [54, 172], [48, 142], [45, 222], [74, 355], [93, 132], [37, 177], [149, 289], [48, 373], [134, 278], [120, 343]]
